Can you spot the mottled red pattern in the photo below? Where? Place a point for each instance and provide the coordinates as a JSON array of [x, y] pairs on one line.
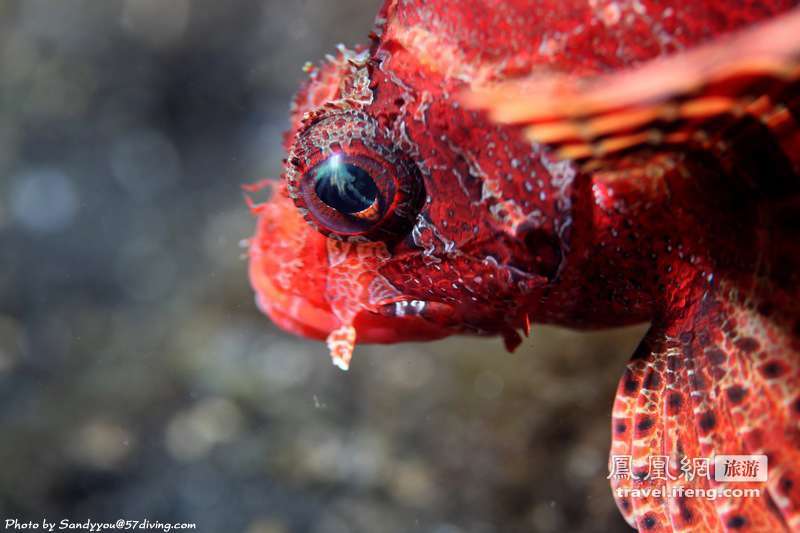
[[671, 199]]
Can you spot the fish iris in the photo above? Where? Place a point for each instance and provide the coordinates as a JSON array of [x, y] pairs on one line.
[[345, 187]]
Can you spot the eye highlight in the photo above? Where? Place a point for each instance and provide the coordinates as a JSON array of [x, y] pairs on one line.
[[349, 182]]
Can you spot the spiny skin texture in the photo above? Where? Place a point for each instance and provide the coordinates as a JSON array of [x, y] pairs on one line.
[[691, 224]]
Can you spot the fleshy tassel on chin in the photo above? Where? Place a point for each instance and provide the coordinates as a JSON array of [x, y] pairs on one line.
[[341, 342]]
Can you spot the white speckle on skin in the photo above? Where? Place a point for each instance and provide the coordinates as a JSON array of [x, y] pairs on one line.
[[611, 14]]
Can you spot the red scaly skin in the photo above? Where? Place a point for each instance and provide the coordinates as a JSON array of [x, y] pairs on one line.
[[481, 232]]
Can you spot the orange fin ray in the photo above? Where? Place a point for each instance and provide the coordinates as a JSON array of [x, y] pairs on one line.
[[668, 100]]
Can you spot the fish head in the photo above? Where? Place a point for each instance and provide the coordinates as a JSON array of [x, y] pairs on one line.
[[403, 216]]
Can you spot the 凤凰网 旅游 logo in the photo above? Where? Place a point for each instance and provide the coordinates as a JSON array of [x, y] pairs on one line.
[[719, 468]]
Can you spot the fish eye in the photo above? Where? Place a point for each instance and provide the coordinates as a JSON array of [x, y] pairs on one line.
[[346, 187], [349, 182]]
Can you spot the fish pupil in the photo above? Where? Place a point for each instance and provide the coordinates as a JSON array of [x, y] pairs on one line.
[[345, 187]]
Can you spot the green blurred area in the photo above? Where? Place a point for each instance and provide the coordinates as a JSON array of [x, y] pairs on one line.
[[137, 378]]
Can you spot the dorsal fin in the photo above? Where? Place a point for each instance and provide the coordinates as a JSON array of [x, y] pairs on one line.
[[684, 99]]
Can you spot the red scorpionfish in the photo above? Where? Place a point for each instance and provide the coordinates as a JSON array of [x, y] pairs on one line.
[[588, 163]]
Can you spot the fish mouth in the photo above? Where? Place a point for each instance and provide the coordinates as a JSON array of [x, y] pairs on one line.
[[397, 321], [401, 319]]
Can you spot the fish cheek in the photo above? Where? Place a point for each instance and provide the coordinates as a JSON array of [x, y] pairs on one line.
[[545, 251]]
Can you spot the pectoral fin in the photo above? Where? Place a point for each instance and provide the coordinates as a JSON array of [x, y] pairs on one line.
[[716, 379]]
